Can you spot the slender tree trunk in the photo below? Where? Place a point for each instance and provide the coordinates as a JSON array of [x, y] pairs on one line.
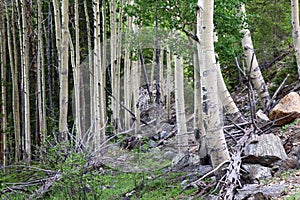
[[182, 135], [127, 77], [3, 138], [58, 25], [76, 74], [296, 32], [215, 139], [199, 129], [255, 74], [40, 66], [135, 88], [25, 83], [90, 63], [98, 124], [17, 123], [114, 66], [104, 60], [64, 72], [168, 86]]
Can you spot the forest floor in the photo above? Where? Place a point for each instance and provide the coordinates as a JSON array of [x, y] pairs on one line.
[[144, 173]]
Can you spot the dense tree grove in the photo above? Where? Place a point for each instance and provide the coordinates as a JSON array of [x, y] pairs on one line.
[[82, 74]]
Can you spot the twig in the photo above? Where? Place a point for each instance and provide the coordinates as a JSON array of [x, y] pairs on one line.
[[194, 184], [277, 91]]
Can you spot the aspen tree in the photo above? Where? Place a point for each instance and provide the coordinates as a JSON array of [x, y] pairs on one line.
[[40, 76], [90, 67], [127, 77], [99, 134], [16, 96], [64, 72], [182, 136], [135, 87], [76, 74], [104, 60], [3, 139], [252, 65], [296, 32], [199, 129], [114, 64], [25, 82], [215, 139], [168, 84], [58, 34]]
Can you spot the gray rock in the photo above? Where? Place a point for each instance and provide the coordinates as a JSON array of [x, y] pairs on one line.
[[257, 172], [204, 169], [264, 149], [255, 191], [163, 134], [169, 155], [152, 143]]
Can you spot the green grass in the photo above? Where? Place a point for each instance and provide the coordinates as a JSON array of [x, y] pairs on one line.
[[113, 185]]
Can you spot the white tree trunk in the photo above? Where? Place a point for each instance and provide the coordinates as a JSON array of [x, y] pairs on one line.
[[127, 77], [215, 139], [168, 85], [64, 72], [25, 78], [182, 135], [253, 68], [296, 32], [76, 75]]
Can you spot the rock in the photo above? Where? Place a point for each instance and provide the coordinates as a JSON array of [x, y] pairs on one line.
[[262, 115], [287, 108], [152, 143], [256, 172], [169, 155], [255, 191], [265, 150], [204, 169]]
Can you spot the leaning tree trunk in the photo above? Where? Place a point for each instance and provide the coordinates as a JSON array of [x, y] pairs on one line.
[[215, 138], [296, 32], [253, 68], [182, 135]]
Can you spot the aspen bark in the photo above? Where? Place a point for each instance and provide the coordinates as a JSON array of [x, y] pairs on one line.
[[114, 65], [3, 138], [182, 136], [90, 63], [97, 72], [215, 139], [127, 77], [76, 74], [16, 95], [253, 68], [135, 87], [296, 32], [64, 72], [25, 83], [168, 86], [40, 84]]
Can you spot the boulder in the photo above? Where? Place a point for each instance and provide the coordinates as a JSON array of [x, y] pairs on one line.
[[287, 110], [255, 191], [256, 172], [264, 149]]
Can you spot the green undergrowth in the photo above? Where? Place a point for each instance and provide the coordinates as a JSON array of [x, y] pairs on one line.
[[100, 185]]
